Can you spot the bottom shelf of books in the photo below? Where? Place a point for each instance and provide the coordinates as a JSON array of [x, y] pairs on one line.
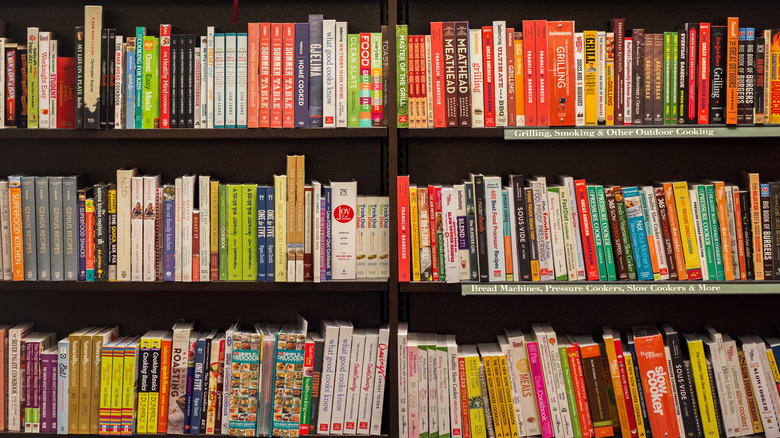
[[262, 379]]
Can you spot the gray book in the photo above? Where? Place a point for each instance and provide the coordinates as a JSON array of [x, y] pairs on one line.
[[42, 225], [70, 226], [29, 230], [55, 228]]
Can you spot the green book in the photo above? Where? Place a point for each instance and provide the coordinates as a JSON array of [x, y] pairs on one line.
[[606, 236], [140, 34], [440, 234], [717, 253], [646, 203], [223, 251], [674, 83], [32, 77], [625, 235], [510, 276], [570, 397], [706, 230], [249, 231], [147, 105], [402, 75], [353, 80], [597, 236], [156, 83], [667, 82], [234, 240]]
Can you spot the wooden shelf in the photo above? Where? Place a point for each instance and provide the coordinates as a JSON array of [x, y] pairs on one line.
[[185, 134]]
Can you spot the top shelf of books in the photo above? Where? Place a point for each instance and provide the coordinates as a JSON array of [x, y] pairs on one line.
[[183, 134]]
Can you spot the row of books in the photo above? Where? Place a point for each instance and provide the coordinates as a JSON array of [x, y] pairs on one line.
[[266, 379], [544, 73], [482, 230], [194, 229], [275, 75], [637, 384]]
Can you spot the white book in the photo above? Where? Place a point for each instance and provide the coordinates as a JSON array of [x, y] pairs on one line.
[[228, 360], [443, 391], [568, 233], [647, 196], [341, 74], [204, 82], [512, 231], [579, 89], [403, 379], [380, 380], [433, 385], [412, 388], [556, 234], [204, 192], [449, 218], [372, 234], [32, 50], [428, 82], [52, 83], [761, 386], [723, 381], [137, 229], [354, 379], [177, 223], [124, 208], [601, 75], [2, 81], [560, 384], [180, 347], [219, 80], [361, 242], [568, 183], [368, 375], [210, 76], [62, 386], [317, 244], [119, 73], [231, 48], [675, 395], [542, 338], [342, 372], [329, 80], [462, 227], [242, 96], [499, 69], [514, 385], [546, 264], [187, 206], [151, 182], [521, 370], [344, 199], [456, 424], [330, 332], [475, 79], [422, 383], [495, 229], [383, 209], [768, 375], [5, 230], [16, 374], [197, 79], [730, 190], [743, 425], [699, 235], [44, 71], [628, 94]]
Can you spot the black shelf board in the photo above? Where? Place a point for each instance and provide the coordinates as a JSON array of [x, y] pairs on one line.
[[601, 132], [212, 286], [451, 133], [184, 134]]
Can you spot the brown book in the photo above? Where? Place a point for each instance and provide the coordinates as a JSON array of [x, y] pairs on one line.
[[619, 27], [595, 385], [638, 75], [74, 379], [462, 69], [658, 79], [450, 74], [666, 231], [621, 265], [87, 354], [648, 79]]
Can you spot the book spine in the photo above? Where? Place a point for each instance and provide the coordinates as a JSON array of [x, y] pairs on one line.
[[604, 230], [620, 69], [625, 234], [529, 87], [402, 74], [101, 232], [288, 75], [471, 225], [462, 73], [638, 234], [301, 79], [588, 243], [112, 232], [476, 73], [82, 237], [535, 365], [542, 73], [638, 74], [621, 262], [29, 228], [750, 75], [264, 76], [449, 41], [43, 242], [242, 63], [596, 233]]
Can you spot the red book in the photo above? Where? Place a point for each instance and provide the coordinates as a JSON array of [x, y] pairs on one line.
[[488, 90], [422, 85], [289, 75], [542, 82], [529, 88], [580, 391], [654, 375], [253, 71], [308, 257], [165, 76], [560, 38], [626, 389], [402, 187], [586, 228], [308, 364], [437, 64], [704, 74], [693, 62], [465, 423], [619, 27], [66, 82], [432, 220], [89, 221], [196, 244], [277, 73], [264, 79], [511, 90], [450, 74], [165, 383]]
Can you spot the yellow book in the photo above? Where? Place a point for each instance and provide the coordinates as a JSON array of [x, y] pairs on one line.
[[591, 79], [154, 384], [701, 381], [414, 221], [494, 395], [74, 379], [129, 387], [214, 228], [617, 384], [474, 392], [687, 234], [773, 365], [300, 222], [101, 338], [106, 381], [85, 379], [506, 387], [633, 386], [144, 357], [280, 227], [117, 384], [290, 229], [755, 418]]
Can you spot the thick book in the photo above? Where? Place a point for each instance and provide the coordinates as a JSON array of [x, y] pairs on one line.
[[718, 76], [560, 40], [315, 70]]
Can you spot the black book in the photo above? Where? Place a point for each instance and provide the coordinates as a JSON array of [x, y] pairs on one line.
[[774, 209], [521, 230], [682, 71], [14, 55], [111, 80], [103, 104], [206, 367], [750, 74], [182, 84], [638, 73], [716, 400], [747, 233], [684, 386], [694, 399], [760, 78], [79, 88], [101, 232], [530, 225], [741, 70], [648, 79], [766, 231], [173, 95], [718, 74], [315, 70], [691, 116], [154, 372], [189, 77], [316, 381], [462, 68], [479, 214]]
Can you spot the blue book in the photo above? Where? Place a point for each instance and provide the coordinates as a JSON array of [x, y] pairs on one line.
[[62, 386], [301, 75], [328, 229], [261, 231], [140, 33], [190, 387], [130, 91], [636, 226], [197, 384], [315, 70], [270, 235], [169, 238]]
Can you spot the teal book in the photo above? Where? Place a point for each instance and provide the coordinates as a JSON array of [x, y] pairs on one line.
[[249, 232], [636, 226], [140, 33], [706, 229], [234, 250], [717, 251], [625, 233], [606, 236], [510, 274], [646, 205], [597, 237], [353, 80]]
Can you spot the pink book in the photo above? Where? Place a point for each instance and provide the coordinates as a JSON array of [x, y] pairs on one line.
[[535, 363], [413, 393], [626, 389], [437, 63], [253, 72], [264, 77]]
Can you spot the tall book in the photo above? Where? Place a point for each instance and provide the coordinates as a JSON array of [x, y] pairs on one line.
[[93, 24]]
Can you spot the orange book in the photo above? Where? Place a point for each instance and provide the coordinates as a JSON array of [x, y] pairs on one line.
[[656, 382], [17, 248], [519, 79], [732, 52], [740, 236], [561, 73], [580, 391], [253, 70], [165, 383], [675, 230], [723, 221], [617, 383], [751, 183]]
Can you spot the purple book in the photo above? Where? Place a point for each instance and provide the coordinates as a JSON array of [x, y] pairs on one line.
[[53, 361], [82, 230], [301, 75], [323, 231], [46, 392], [328, 229], [28, 385]]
